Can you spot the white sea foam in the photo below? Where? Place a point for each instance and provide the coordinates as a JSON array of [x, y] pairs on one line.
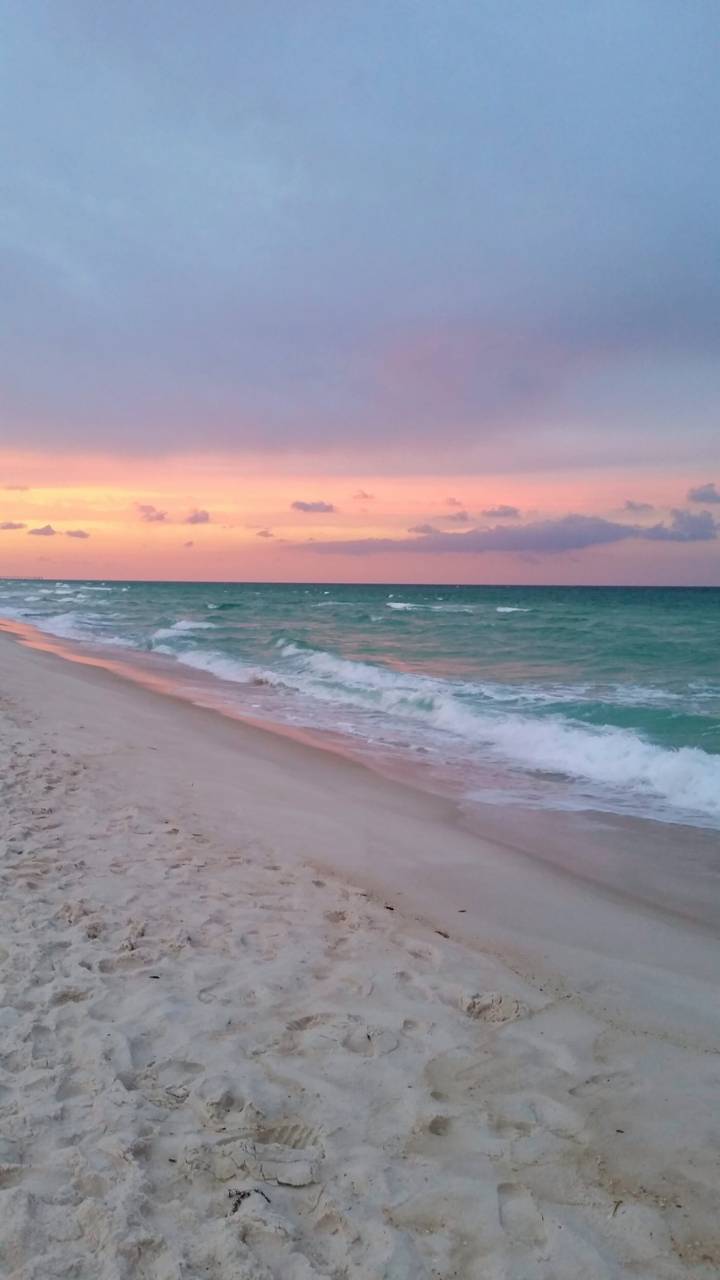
[[687, 779], [65, 625], [345, 672], [527, 724], [181, 627], [75, 626], [406, 607], [451, 608], [217, 664], [639, 695]]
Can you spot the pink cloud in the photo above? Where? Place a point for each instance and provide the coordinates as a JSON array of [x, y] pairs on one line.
[[150, 514]]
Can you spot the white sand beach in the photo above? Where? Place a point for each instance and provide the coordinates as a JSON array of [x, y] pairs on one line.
[[265, 1015]]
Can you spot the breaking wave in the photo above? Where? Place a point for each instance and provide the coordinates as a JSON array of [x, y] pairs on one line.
[[563, 705], [686, 779], [182, 627]]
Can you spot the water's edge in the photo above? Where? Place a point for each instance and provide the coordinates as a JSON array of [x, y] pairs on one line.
[[553, 699], [670, 865]]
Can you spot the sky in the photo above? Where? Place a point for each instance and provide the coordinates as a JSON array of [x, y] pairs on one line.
[[408, 291]]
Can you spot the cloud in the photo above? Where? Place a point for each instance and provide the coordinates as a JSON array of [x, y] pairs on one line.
[[321, 508], [12, 524], [362, 496], [46, 531], [568, 533], [423, 528], [264, 533], [150, 514], [453, 502], [460, 517], [198, 517], [704, 493], [578, 330], [16, 488], [188, 544], [638, 507], [687, 526], [501, 512], [76, 533]]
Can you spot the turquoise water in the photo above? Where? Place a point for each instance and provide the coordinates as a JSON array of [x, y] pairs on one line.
[[565, 697]]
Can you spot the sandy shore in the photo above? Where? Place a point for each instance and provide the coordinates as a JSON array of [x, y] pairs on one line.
[[235, 1040]]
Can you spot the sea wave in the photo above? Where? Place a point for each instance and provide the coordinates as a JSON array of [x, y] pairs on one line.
[[686, 779], [405, 606], [451, 608], [179, 628], [218, 664], [76, 626], [624, 733], [67, 626]]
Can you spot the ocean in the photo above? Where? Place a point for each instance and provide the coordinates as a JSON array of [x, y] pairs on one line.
[[592, 698]]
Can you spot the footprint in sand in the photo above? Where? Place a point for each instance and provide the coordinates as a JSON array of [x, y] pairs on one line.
[[439, 1126], [168, 1084], [71, 1086], [309, 1020], [291, 1132], [370, 1041], [215, 1098], [520, 1217], [494, 1007], [420, 951], [43, 1042], [69, 995], [340, 917], [357, 986]]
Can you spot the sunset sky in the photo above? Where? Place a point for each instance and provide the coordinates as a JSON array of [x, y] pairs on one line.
[[389, 291]]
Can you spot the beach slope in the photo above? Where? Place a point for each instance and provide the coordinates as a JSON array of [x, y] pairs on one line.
[[237, 1040]]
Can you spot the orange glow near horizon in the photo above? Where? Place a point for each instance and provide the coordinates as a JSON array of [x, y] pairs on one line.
[[245, 496]]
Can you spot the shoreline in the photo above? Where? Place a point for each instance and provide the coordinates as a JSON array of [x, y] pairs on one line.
[[549, 838], [238, 962], [506, 723], [517, 898]]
